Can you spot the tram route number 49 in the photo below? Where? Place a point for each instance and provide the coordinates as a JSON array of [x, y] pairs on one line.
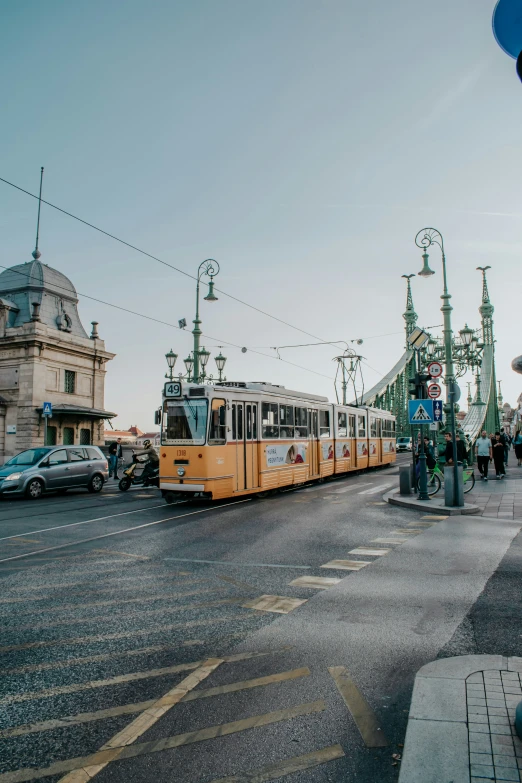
[[173, 389]]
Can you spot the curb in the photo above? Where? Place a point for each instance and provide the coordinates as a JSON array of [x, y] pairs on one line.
[[436, 747], [394, 499]]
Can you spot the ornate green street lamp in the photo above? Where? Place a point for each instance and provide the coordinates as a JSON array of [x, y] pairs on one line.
[[171, 361], [220, 364], [424, 239], [210, 268]]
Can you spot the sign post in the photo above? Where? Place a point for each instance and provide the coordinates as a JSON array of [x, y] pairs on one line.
[[47, 411]]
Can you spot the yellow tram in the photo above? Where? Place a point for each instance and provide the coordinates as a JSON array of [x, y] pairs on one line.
[[234, 439]]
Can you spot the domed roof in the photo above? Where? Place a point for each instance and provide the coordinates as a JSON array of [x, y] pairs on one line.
[[34, 282], [34, 274]]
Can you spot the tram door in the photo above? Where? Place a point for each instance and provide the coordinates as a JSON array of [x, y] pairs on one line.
[[244, 433], [313, 437]]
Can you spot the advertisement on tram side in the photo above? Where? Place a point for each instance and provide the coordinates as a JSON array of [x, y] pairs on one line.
[[362, 448], [327, 450], [285, 455], [342, 450], [388, 447]]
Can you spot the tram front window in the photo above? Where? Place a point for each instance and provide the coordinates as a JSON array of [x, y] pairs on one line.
[[185, 420]]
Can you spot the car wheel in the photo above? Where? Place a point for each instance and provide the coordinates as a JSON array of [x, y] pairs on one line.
[[96, 483], [34, 489]]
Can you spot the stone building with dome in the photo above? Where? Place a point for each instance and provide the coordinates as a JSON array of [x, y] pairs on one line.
[[47, 356]]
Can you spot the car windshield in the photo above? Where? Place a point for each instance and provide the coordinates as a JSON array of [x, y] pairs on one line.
[[185, 421], [29, 457]]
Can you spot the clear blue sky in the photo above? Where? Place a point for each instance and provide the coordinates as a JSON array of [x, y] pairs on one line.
[[301, 143]]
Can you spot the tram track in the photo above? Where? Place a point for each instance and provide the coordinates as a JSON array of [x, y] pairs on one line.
[[113, 533]]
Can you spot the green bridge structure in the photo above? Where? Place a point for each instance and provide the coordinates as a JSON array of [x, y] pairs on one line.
[[473, 350]]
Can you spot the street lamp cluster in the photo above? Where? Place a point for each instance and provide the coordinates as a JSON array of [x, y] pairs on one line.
[[197, 360]]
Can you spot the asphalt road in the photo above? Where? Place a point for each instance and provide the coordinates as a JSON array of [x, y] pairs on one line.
[[111, 603]]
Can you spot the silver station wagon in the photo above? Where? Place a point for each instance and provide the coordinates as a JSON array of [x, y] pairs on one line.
[[54, 469]]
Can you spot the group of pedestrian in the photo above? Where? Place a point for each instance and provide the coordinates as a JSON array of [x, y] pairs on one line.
[[495, 448]]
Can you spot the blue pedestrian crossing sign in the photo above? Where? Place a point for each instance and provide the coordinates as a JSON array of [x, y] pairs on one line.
[[47, 409], [420, 411]]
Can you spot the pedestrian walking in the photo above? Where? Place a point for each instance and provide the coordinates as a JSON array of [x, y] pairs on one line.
[[462, 452], [484, 452], [113, 458], [506, 442], [518, 447], [119, 457], [430, 454], [448, 451], [498, 456]]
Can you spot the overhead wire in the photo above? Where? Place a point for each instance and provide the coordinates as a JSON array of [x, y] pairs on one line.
[[218, 341]]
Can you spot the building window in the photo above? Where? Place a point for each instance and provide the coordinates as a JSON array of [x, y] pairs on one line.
[[70, 381], [85, 437], [68, 436], [51, 436]]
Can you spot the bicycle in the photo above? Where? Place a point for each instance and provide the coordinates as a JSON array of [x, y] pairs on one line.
[[436, 479]]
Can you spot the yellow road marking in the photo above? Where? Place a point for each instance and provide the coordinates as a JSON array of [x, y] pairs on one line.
[[431, 516], [87, 717], [347, 565], [125, 709], [122, 678], [141, 599], [122, 634], [363, 715], [361, 550], [317, 582], [407, 531], [274, 603], [109, 589], [111, 617], [19, 540], [388, 540], [287, 766], [122, 554], [143, 722], [165, 743]]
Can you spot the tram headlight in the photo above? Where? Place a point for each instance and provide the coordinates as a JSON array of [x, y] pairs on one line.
[[181, 472]]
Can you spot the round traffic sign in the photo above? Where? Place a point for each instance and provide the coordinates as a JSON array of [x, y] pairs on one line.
[[434, 391], [435, 369], [507, 26]]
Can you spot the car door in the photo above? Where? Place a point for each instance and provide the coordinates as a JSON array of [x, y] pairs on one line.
[[56, 470], [79, 467]]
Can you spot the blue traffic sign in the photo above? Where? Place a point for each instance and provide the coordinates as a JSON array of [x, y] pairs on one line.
[[421, 411], [507, 26], [437, 410], [47, 409]]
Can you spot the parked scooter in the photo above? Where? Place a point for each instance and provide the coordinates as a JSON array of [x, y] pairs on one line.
[[130, 478]]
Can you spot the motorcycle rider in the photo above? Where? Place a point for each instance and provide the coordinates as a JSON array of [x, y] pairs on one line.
[[152, 463]]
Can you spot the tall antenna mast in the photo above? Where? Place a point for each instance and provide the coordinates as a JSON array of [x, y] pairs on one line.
[[36, 252]]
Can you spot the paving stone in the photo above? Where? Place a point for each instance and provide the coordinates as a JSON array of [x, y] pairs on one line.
[[473, 719], [477, 711], [480, 728], [499, 720], [439, 699], [502, 744], [483, 758], [495, 702], [500, 730], [497, 711], [506, 773], [474, 701], [483, 771], [477, 677], [481, 743], [504, 761]]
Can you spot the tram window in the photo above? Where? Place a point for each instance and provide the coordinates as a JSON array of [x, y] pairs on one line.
[[286, 421], [218, 419], [185, 420], [301, 423], [373, 427], [234, 433], [249, 422], [254, 422], [324, 424], [379, 428], [361, 427], [240, 422], [351, 431], [342, 429], [269, 413]]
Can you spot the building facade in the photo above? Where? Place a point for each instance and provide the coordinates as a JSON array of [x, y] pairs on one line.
[[47, 356]]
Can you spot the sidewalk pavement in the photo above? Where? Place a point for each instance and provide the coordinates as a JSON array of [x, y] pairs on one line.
[[492, 499], [461, 722]]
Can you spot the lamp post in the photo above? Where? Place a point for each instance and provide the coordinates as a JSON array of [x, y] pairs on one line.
[[220, 364], [171, 361], [210, 268], [424, 239]]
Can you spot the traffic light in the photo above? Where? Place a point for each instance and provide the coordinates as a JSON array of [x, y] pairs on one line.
[[417, 386]]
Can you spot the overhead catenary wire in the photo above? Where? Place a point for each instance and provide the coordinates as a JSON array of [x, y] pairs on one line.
[[155, 258], [219, 341]]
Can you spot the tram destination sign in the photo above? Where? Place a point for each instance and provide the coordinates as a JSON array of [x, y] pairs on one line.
[[172, 389], [424, 411]]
